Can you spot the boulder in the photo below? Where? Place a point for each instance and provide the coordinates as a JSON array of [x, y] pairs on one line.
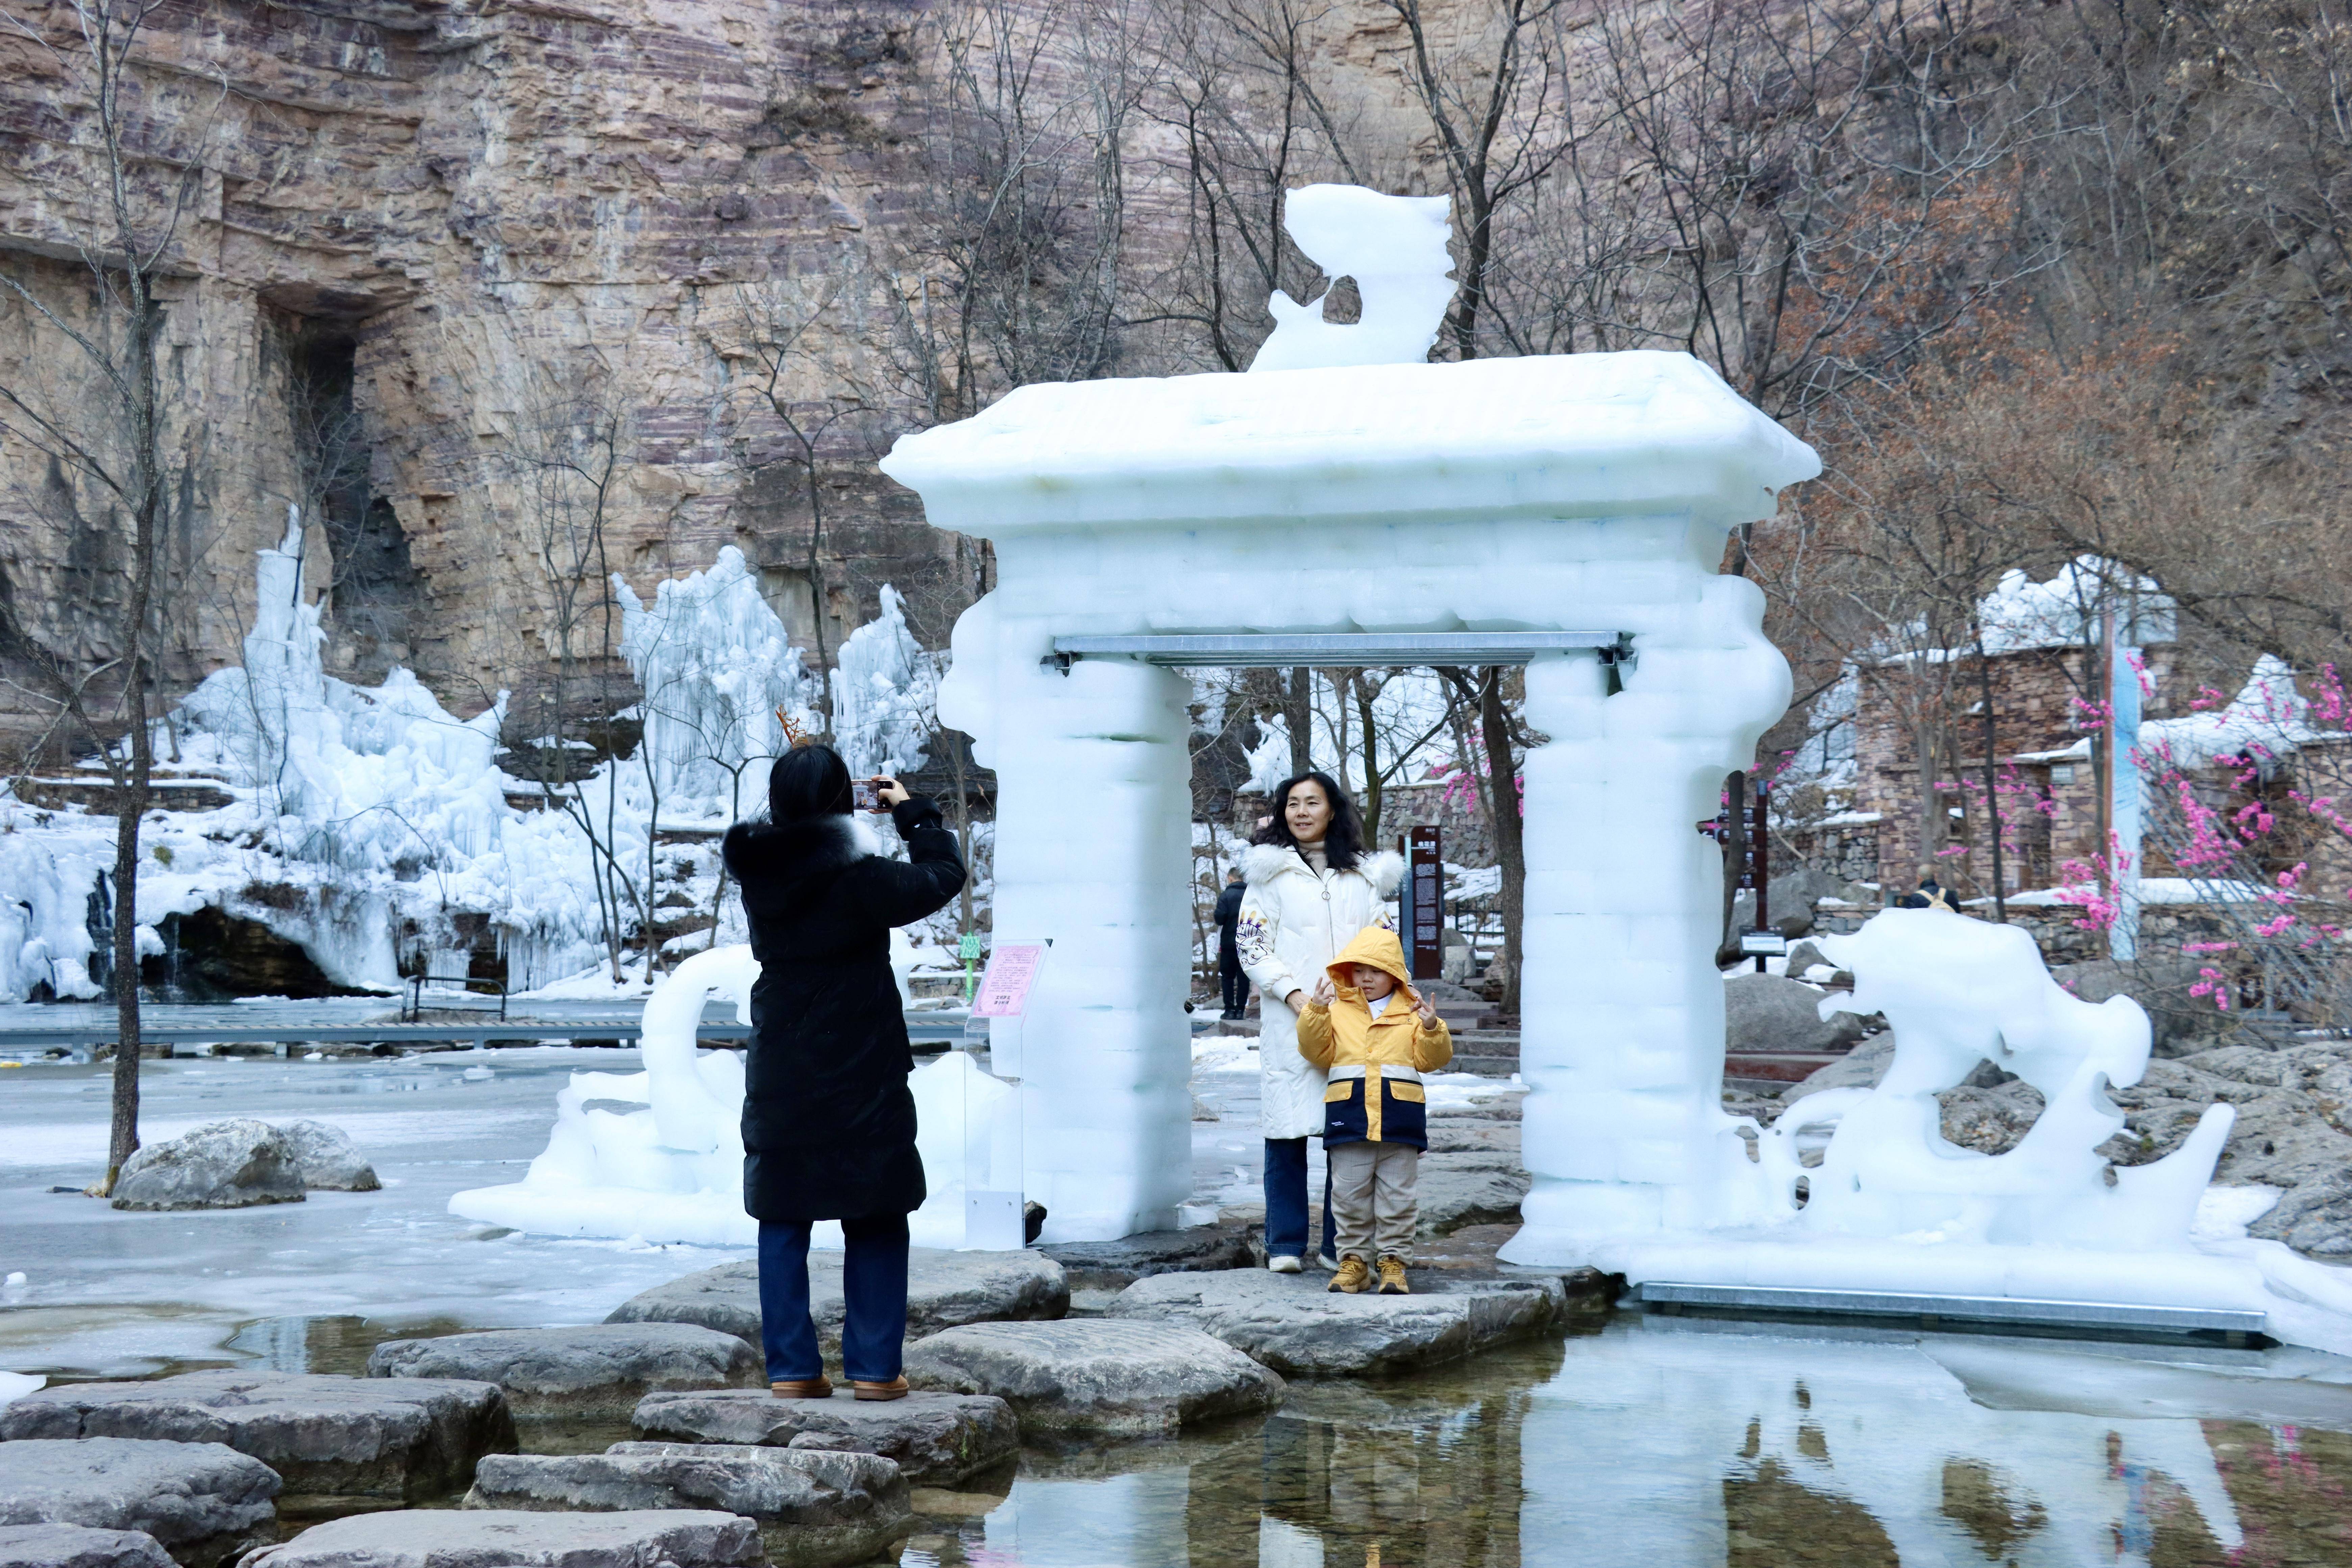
[[78, 1546], [593, 1371], [1805, 955], [1295, 1325], [220, 1165], [336, 1441], [1860, 1068], [1470, 1187], [1770, 1013], [2314, 1216], [444, 1538], [201, 1502], [943, 1289], [330, 1162], [1114, 1265], [935, 1439], [815, 1506], [1095, 1374]]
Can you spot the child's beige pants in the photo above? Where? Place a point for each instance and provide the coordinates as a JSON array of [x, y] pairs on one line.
[[1372, 1198]]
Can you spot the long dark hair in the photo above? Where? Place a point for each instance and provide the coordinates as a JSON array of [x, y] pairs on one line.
[[809, 781], [1343, 841]]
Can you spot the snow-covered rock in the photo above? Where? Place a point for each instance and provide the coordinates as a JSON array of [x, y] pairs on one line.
[[330, 1162], [1295, 1325], [78, 1546], [220, 1165]]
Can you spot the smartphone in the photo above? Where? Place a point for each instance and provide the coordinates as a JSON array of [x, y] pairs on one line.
[[868, 794]]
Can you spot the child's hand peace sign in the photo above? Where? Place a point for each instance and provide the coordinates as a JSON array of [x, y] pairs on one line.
[[1425, 1013], [1324, 995]]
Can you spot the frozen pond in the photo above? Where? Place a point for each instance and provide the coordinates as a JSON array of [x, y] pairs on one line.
[[1657, 1442]]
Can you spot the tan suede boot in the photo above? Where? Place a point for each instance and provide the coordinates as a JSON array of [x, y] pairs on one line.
[[803, 1388], [1353, 1278], [1392, 1276]]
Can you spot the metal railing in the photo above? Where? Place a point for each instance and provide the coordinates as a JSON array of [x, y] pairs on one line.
[[414, 1008]]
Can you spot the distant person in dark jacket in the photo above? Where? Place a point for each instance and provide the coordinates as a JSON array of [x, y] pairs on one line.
[[828, 1122], [1929, 895], [1230, 976]]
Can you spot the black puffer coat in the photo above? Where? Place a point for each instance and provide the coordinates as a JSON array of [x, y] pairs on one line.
[[828, 1123]]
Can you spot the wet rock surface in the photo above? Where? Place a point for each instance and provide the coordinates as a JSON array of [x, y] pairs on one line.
[[813, 1506], [329, 1161], [78, 1546], [221, 1165], [1113, 1265], [1469, 1187], [1127, 1378], [331, 1439], [448, 1538], [591, 1369], [943, 1289], [202, 1503], [1294, 1325], [935, 1439]]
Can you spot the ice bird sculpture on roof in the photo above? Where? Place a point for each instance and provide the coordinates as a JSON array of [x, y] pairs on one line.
[[1395, 247]]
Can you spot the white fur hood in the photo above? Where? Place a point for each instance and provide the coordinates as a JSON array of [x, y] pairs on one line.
[[1262, 863]]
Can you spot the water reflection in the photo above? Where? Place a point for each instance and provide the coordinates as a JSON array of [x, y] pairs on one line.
[[1659, 1445]]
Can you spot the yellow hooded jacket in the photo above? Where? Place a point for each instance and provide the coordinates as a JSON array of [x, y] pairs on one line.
[[1374, 1094]]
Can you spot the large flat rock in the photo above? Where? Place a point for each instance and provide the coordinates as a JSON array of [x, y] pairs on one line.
[[221, 1165], [1113, 1265], [943, 1289], [445, 1538], [1472, 1187], [815, 1506], [336, 1441], [202, 1503], [1093, 1374], [935, 1439], [595, 1370], [1295, 1325], [78, 1546]]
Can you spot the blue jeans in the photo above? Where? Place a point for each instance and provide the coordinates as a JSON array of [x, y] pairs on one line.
[[873, 1280], [1285, 1199]]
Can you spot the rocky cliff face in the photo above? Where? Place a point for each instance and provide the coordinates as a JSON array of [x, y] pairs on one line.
[[471, 282]]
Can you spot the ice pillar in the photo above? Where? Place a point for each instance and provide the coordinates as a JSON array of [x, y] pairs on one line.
[[1622, 1006], [1093, 822]]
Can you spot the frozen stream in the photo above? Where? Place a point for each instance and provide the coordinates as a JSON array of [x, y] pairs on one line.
[[1655, 1443]]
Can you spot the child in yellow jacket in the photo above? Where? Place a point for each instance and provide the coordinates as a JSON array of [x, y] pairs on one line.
[[1373, 1035]]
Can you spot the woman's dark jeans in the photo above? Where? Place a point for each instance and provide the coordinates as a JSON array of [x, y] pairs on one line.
[[872, 1278], [1285, 1199]]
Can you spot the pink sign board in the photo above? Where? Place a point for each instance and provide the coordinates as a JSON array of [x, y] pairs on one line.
[[1004, 989]]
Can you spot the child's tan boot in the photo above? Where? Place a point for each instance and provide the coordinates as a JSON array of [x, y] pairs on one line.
[[1353, 1278], [1392, 1276]]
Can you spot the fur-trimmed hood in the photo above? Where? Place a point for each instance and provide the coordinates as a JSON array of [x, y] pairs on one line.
[[1262, 863], [790, 852]]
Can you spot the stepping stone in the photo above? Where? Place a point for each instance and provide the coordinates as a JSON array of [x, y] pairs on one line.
[[1114, 1265], [76, 1546], [201, 1502], [1094, 1374], [1295, 1325], [336, 1441], [1466, 1189], [814, 1507], [596, 1370], [935, 1439], [943, 1289], [446, 1538], [220, 1165]]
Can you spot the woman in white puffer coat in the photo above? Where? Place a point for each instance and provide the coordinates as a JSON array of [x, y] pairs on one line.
[[1311, 889]]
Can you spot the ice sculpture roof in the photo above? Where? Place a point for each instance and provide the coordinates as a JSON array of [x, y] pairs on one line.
[[1597, 435]]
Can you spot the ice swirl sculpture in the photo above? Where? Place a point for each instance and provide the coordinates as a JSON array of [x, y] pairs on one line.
[[1959, 992], [657, 1155]]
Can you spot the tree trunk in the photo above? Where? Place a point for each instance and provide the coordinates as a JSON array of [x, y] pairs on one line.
[[1510, 850], [1299, 716], [1371, 744], [1991, 781]]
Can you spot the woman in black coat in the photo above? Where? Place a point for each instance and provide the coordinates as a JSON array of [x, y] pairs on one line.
[[828, 1122]]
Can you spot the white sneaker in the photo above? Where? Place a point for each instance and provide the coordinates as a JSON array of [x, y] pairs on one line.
[[1329, 1264], [1283, 1264]]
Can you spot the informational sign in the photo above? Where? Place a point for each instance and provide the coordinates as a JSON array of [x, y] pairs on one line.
[[1425, 905], [1005, 988]]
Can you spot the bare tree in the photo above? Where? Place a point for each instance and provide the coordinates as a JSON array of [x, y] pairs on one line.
[[112, 443]]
